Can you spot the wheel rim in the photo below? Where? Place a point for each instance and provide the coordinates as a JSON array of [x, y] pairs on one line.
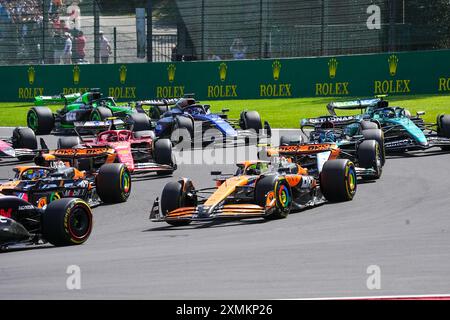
[[351, 181], [32, 120], [79, 223], [125, 182], [283, 196], [379, 161]]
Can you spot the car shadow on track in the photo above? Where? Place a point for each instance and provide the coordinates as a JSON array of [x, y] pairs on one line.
[[21, 248], [149, 177], [417, 154], [211, 224], [231, 222]]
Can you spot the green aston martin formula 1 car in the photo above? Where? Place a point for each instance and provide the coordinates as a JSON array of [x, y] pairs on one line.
[[86, 107]]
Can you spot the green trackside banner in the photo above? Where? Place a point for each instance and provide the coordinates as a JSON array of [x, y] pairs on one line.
[[406, 73]]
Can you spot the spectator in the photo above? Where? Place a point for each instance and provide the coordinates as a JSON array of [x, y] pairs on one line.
[[105, 48], [213, 56], [59, 44], [238, 49], [80, 41], [68, 48]]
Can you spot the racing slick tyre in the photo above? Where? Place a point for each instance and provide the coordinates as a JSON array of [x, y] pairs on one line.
[[183, 128], [274, 188], [67, 222], [250, 120], [443, 122], [68, 142], [366, 125], [162, 153], [113, 183], [369, 157], [175, 196], [40, 120], [291, 140], [378, 136], [24, 138], [100, 113], [139, 121], [338, 180], [148, 134], [156, 112]]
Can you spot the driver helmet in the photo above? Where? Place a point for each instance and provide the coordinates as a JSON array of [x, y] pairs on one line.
[[182, 103], [33, 174], [388, 113], [253, 170], [327, 136]]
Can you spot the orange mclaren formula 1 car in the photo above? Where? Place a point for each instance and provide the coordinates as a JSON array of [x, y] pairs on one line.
[[42, 185], [139, 151], [263, 189]]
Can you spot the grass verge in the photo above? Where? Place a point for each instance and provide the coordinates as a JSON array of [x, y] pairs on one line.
[[280, 113]]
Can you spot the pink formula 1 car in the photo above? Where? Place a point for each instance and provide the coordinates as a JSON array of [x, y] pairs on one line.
[[22, 145], [139, 151]]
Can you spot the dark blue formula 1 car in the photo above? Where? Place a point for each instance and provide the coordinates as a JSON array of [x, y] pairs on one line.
[[186, 117]]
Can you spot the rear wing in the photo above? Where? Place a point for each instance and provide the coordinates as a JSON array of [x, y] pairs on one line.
[[356, 104], [335, 120], [301, 149], [41, 101], [155, 103], [94, 127]]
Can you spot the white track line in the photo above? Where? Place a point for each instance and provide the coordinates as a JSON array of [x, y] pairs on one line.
[[427, 296]]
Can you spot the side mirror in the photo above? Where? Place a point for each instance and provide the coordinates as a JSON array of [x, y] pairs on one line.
[[207, 107], [420, 113], [225, 110]]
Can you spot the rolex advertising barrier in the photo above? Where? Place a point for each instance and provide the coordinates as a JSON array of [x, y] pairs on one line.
[[359, 75]]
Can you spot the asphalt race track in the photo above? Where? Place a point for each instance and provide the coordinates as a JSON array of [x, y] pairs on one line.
[[400, 223]]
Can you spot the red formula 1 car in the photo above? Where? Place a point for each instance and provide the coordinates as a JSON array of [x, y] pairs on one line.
[[139, 151]]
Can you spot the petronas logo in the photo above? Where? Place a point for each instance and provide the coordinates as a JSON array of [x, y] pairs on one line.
[[123, 74], [223, 71], [31, 75], [76, 75], [393, 64], [171, 72], [276, 69], [332, 67]]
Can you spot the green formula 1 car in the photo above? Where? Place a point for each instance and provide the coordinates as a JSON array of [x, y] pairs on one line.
[[91, 106]]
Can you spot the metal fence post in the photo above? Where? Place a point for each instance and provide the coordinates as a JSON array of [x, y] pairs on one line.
[[115, 44], [203, 30], [392, 25], [45, 8], [261, 29], [96, 32], [149, 32]]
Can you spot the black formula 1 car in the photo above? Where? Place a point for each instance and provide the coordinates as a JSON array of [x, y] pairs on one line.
[[22, 145], [366, 148], [63, 222]]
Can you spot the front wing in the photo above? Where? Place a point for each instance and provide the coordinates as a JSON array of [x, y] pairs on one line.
[[402, 145], [230, 211]]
